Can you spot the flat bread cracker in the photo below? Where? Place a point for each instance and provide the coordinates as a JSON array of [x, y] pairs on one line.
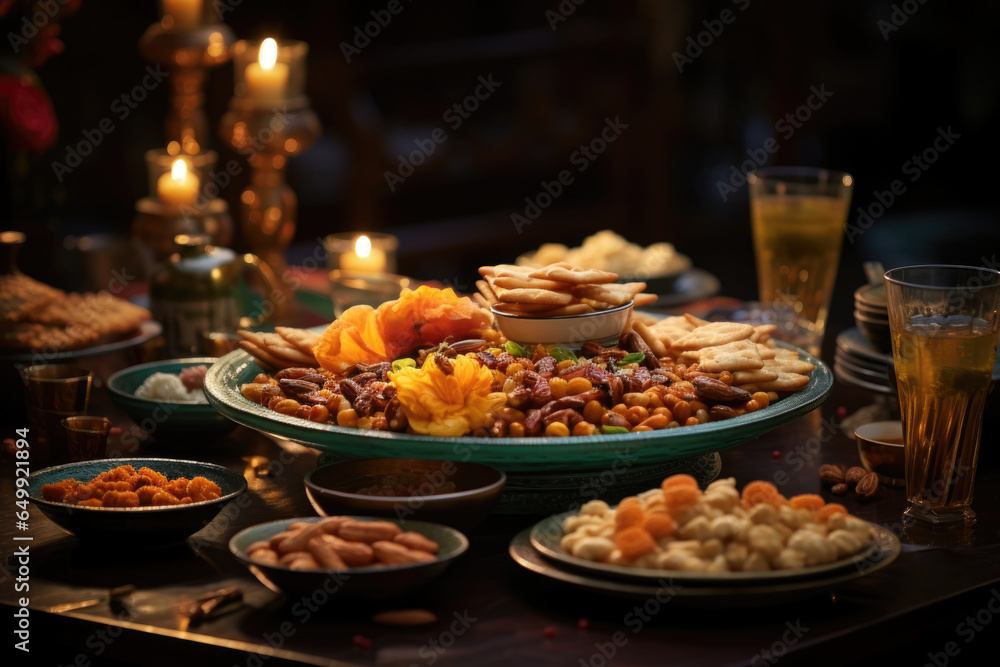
[[530, 295], [644, 299], [301, 339], [790, 365], [487, 291], [739, 355], [741, 378], [575, 275], [785, 382], [524, 282], [647, 334], [714, 334]]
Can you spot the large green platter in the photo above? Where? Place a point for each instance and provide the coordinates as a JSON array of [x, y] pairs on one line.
[[510, 454]]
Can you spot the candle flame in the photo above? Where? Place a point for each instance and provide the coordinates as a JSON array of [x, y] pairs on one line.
[[363, 246], [268, 53], [179, 171]]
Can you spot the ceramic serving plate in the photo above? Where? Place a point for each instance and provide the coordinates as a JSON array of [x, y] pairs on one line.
[[546, 535], [711, 595], [224, 378]]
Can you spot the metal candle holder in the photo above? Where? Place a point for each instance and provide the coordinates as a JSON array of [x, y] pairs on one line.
[[267, 135], [187, 53]]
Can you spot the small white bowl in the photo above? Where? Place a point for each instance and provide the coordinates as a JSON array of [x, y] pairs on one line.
[[571, 331]]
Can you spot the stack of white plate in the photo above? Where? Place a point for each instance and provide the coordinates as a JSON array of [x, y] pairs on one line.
[[858, 362]]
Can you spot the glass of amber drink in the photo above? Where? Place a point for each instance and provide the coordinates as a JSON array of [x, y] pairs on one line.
[[798, 216], [945, 321]]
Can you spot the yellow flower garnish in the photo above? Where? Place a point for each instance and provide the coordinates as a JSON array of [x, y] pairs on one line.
[[443, 404]]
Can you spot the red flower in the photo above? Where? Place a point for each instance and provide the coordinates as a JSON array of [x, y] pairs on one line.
[[26, 112]]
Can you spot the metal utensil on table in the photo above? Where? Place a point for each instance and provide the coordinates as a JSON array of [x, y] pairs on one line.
[[113, 595], [195, 611]]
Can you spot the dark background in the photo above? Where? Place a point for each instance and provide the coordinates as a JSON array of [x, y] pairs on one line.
[[657, 182]]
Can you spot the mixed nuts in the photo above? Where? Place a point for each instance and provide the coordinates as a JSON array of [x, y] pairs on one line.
[[864, 483]]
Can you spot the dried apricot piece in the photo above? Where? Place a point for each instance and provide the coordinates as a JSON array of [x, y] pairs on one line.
[[679, 480], [120, 499], [831, 510], [159, 479], [165, 498], [659, 525], [809, 501], [146, 493], [635, 542], [629, 515], [177, 487], [758, 492], [680, 498]]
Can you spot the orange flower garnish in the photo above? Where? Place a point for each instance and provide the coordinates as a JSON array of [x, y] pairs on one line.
[[421, 317], [439, 403]]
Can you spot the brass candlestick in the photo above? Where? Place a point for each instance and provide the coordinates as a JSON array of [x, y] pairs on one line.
[[157, 223], [187, 52], [267, 132]]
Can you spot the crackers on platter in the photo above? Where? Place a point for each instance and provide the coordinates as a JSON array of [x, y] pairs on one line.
[[744, 350], [285, 348], [557, 289], [35, 316]]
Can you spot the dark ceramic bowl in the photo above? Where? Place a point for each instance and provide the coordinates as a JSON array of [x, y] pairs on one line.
[[456, 494], [871, 296], [384, 581], [876, 330], [880, 447], [171, 423], [136, 526]]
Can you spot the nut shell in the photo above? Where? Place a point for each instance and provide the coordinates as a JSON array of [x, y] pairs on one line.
[[867, 488], [839, 489], [830, 474], [854, 475]]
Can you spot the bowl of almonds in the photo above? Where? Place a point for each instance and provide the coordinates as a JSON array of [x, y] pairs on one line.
[[347, 556]]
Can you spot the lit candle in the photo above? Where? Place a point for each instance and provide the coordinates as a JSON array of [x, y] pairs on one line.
[[178, 187], [267, 79], [364, 258], [186, 14]]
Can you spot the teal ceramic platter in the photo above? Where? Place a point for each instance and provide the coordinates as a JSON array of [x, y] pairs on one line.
[[222, 386]]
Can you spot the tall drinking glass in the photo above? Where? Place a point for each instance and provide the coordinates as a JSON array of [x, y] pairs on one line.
[[798, 216], [945, 322]]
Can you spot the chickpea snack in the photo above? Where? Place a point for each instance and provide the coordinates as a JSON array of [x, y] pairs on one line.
[[720, 532]]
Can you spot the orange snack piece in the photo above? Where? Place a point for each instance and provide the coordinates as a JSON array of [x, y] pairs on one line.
[[659, 525], [680, 498], [628, 515], [158, 479], [635, 542], [809, 501], [831, 510], [177, 487], [758, 492], [57, 491], [679, 480], [200, 489], [146, 494], [120, 499], [164, 498], [91, 502]]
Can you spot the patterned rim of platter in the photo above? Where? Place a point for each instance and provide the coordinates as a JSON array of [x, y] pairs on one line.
[[222, 386], [545, 537]]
